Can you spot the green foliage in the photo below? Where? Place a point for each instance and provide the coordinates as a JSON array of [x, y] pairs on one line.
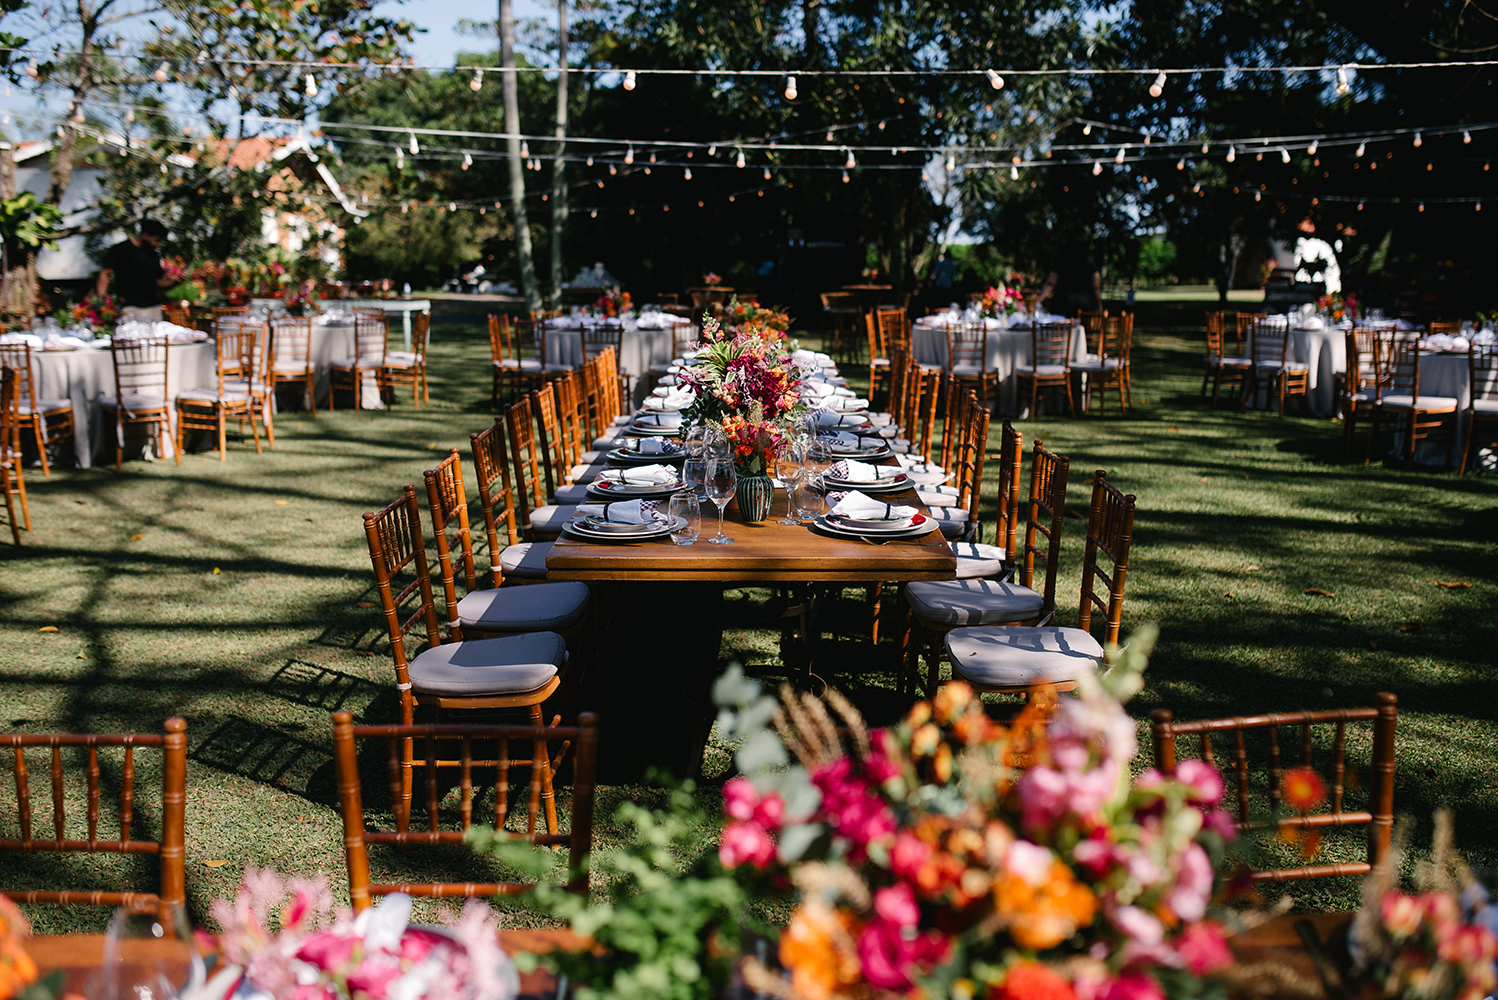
[[1157, 258], [668, 929], [29, 222], [423, 245]]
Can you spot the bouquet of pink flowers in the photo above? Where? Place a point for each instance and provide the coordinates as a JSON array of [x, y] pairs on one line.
[[954, 856], [318, 955], [999, 300], [612, 303], [748, 389], [711, 279]]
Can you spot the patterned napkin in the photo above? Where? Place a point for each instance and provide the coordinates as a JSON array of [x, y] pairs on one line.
[[623, 511], [852, 471], [644, 475], [862, 507]]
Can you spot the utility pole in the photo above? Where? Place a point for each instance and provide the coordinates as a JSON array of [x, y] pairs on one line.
[[518, 215], [558, 167]]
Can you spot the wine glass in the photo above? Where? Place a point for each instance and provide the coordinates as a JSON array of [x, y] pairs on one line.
[[790, 469], [722, 480], [148, 952]]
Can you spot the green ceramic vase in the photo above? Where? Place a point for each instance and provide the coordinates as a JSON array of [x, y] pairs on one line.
[[754, 494]]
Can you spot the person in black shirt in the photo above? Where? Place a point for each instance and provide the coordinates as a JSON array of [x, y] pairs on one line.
[[1074, 284], [135, 267]]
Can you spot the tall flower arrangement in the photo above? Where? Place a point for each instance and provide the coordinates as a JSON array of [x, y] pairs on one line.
[[612, 303], [748, 390], [953, 856], [750, 319], [999, 300]]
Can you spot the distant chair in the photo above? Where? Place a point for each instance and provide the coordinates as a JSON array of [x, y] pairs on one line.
[[1050, 363], [514, 375], [1109, 367], [1273, 371], [291, 355], [50, 421], [599, 336], [667, 298], [10, 462], [371, 341], [1397, 395], [410, 367], [1221, 367], [1482, 410], [120, 837], [140, 395], [210, 408], [967, 357], [844, 311], [178, 314]]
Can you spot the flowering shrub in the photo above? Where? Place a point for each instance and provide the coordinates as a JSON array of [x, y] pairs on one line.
[[952, 856], [748, 390], [613, 302], [97, 311], [999, 301], [374, 955]]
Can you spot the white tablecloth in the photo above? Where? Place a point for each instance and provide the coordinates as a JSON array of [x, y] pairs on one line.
[[639, 347], [1325, 353], [1007, 349], [1443, 375]]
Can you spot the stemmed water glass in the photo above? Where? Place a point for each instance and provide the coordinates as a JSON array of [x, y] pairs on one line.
[[722, 480], [790, 470]]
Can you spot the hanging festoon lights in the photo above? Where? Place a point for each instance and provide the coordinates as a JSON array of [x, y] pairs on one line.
[[790, 88], [525, 150], [740, 161], [1232, 153], [686, 174], [1097, 167], [767, 173], [477, 83], [1418, 141], [850, 162], [1342, 87], [1087, 129], [467, 159], [400, 158], [1362, 148], [652, 156], [629, 80], [1120, 157], [311, 85], [1014, 173], [1311, 149], [995, 80], [33, 70], [590, 159], [1181, 163], [845, 178], [1466, 137], [1284, 156], [414, 145], [613, 170], [162, 74], [1158, 87]]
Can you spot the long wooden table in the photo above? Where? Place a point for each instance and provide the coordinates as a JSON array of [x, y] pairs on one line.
[[766, 553]]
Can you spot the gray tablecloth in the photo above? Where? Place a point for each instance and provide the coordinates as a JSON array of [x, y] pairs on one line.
[[1325, 353], [639, 347], [1007, 350], [1444, 375]]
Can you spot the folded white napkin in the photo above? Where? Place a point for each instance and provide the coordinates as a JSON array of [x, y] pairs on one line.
[[644, 475], [804, 359], [863, 507], [848, 403], [21, 338], [73, 341], [828, 418], [652, 446], [1485, 338], [623, 511], [854, 471], [676, 398], [662, 420], [1310, 323], [818, 388]]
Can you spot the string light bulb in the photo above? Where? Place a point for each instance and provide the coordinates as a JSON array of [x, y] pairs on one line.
[[1014, 173], [1232, 153], [1087, 129], [1284, 156], [845, 176], [311, 85], [790, 88], [1311, 149], [593, 214], [1197, 188], [850, 162], [1418, 141], [995, 80], [613, 170], [1466, 137], [629, 156], [400, 158], [1120, 157], [1097, 167], [1362, 147], [525, 150], [629, 80], [1205, 147], [467, 159], [1257, 196], [652, 156], [1158, 87], [162, 74], [452, 206], [740, 161], [767, 173], [951, 163], [686, 174], [477, 83], [1360, 206], [33, 70], [590, 159], [1342, 86], [712, 150], [414, 146], [1422, 206], [1181, 163]]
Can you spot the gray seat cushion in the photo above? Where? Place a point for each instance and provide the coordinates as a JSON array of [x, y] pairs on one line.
[[1485, 407], [47, 406], [973, 602], [546, 606], [585, 473], [1015, 657], [1093, 363], [976, 560], [1228, 362], [608, 441], [1041, 370], [135, 403], [211, 395], [1427, 404], [402, 359], [519, 364], [548, 520], [968, 370], [525, 561], [512, 664], [1289, 366], [572, 493], [951, 520], [937, 496], [364, 361]]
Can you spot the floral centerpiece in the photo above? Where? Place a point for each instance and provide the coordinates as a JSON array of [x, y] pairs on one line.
[[748, 390], [98, 311], [1000, 300], [749, 318], [711, 279], [612, 303], [1338, 306], [18, 973], [951, 856], [300, 300], [314, 954]]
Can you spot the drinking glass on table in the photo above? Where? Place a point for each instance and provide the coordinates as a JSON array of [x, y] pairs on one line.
[[805, 498], [788, 467], [686, 507], [148, 952], [722, 480]]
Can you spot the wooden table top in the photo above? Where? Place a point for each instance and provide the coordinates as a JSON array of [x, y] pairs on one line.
[[764, 552]]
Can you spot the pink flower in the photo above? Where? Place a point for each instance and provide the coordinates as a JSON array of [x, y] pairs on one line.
[[418, 944], [1401, 914], [1030, 862], [896, 903], [1221, 822], [1046, 794], [1137, 924], [741, 801], [1203, 782], [745, 842], [1149, 780], [1203, 947], [1188, 898], [327, 950], [889, 956], [1132, 986], [852, 807], [374, 978], [881, 765], [1094, 853], [909, 856]]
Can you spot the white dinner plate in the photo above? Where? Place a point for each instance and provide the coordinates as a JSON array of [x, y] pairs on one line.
[[918, 529], [607, 489], [620, 533], [883, 527]]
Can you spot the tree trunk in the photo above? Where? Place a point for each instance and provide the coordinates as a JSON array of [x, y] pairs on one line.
[[558, 167], [812, 43], [518, 215], [898, 236]]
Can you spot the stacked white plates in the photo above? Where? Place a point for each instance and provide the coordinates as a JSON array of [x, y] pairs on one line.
[[596, 530]]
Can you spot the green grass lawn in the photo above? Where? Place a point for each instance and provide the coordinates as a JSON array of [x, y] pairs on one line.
[[236, 605]]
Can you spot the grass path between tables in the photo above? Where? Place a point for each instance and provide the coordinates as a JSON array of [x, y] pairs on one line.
[[228, 593]]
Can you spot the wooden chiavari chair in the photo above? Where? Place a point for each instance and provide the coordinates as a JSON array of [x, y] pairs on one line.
[[902, 426], [402, 742], [491, 611], [940, 606], [371, 341], [177, 314], [579, 467], [1397, 395], [967, 357], [684, 339], [10, 459], [512, 671], [210, 409], [122, 837], [879, 370], [951, 425], [1020, 659], [1243, 322], [556, 443], [1273, 371], [542, 521], [1050, 363], [977, 561], [940, 494], [1355, 385], [542, 321], [515, 561], [219, 312], [960, 520], [514, 375], [1378, 814], [1482, 409], [1092, 323], [600, 335], [50, 421], [1449, 327], [140, 395], [1222, 367], [291, 356], [1109, 368], [844, 310], [930, 393], [410, 367]]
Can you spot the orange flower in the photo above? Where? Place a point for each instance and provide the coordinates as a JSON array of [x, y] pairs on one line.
[[17, 970], [820, 948], [1034, 981], [1303, 789], [1041, 917]]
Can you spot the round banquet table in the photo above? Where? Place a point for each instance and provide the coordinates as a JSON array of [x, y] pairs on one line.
[[1324, 352], [1443, 375], [1008, 348], [639, 347]]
